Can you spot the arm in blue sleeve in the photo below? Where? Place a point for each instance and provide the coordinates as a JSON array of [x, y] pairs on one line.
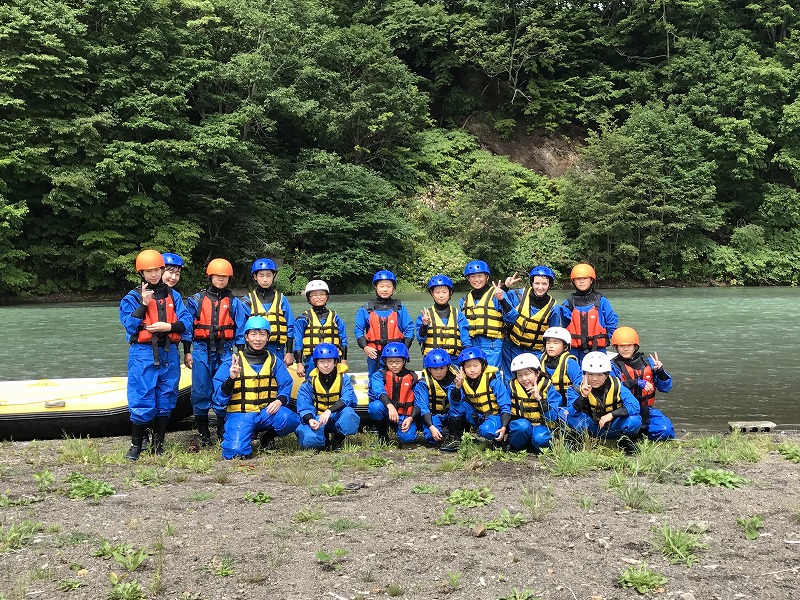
[[348, 393], [305, 400], [245, 300], [361, 326], [422, 398], [239, 318], [285, 382], [566, 314], [610, 319], [223, 374], [502, 395], [662, 379], [342, 331], [377, 389], [183, 316], [287, 312], [405, 323], [463, 329], [127, 307], [555, 318], [300, 324]]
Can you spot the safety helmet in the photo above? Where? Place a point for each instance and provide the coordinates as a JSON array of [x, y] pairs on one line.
[[436, 358], [473, 353], [257, 323], [558, 333], [526, 360], [582, 270], [316, 285], [219, 266], [596, 362], [624, 335], [476, 266], [384, 276], [325, 350], [172, 260], [263, 264], [149, 259], [395, 350], [438, 280], [542, 271]]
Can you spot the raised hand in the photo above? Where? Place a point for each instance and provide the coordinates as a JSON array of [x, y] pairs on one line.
[[498, 291], [236, 368], [657, 364], [512, 280], [426, 318], [147, 295]]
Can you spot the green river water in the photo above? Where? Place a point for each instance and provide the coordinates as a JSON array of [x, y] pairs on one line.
[[733, 353]]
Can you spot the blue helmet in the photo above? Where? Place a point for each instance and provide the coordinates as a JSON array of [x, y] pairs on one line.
[[437, 280], [436, 358], [256, 323], [395, 350], [263, 264], [473, 353], [325, 350], [172, 260], [384, 276], [542, 271], [476, 266]]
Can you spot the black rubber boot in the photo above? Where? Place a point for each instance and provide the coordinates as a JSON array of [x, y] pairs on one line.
[[338, 442], [267, 440], [137, 434], [146, 440], [220, 428], [383, 431], [159, 433], [202, 428], [456, 426]]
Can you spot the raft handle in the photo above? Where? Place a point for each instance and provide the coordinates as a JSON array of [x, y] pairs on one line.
[[55, 404]]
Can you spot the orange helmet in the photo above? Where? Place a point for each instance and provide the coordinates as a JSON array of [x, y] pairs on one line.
[[149, 259], [582, 270], [624, 335], [219, 266]]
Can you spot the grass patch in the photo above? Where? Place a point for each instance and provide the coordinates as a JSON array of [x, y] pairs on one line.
[[426, 488], [297, 474], [506, 521], [84, 451], [662, 461], [197, 462], [331, 561], [150, 476], [678, 545], [222, 567], [730, 449], [715, 477], [635, 493], [308, 514], [790, 452], [16, 535], [258, 498], [471, 497], [343, 524], [641, 578], [83, 488], [538, 502], [559, 460], [335, 488], [200, 497]]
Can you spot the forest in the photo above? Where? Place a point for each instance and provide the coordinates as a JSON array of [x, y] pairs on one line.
[[341, 137]]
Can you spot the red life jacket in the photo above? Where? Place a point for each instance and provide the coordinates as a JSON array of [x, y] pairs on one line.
[[400, 391], [382, 330], [637, 368], [158, 310], [587, 333], [214, 321]]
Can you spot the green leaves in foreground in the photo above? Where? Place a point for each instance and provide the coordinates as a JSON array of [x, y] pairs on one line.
[[751, 526], [471, 498], [718, 477], [641, 578], [81, 487]]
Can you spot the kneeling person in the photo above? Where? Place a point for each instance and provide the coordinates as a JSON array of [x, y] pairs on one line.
[[253, 387], [486, 402], [530, 409], [325, 402], [433, 397], [392, 396]]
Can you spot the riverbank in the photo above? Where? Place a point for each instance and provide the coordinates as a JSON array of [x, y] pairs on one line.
[[411, 523]]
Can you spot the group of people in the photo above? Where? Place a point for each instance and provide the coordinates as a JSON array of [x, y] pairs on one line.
[[510, 363]]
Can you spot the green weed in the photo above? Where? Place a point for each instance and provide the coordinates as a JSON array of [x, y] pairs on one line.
[[525, 594], [7, 500], [81, 451], [222, 567], [641, 578], [81, 487], [258, 498], [586, 502], [426, 488], [297, 474], [375, 460], [635, 494], [331, 561], [448, 517], [751, 526], [562, 462], [471, 498], [394, 589], [678, 545], [452, 583], [125, 590], [130, 559], [506, 521], [728, 450], [17, 535], [538, 502], [199, 462], [44, 480], [200, 496], [343, 524], [69, 585], [106, 550], [308, 514], [662, 461], [716, 477], [331, 489], [790, 452]]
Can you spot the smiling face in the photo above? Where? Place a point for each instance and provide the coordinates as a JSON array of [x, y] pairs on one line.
[[264, 278], [384, 289], [257, 338], [318, 298], [152, 276], [477, 280], [171, 276], [596, 380], [540, 285], [527, 377]]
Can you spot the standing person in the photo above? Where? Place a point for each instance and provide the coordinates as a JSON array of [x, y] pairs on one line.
[[605, 408], [253, 386], [392, 400], [316, 326], [486, 401], [530, 318], [530, 408], [266, 301], [442, 325], [433, 397], [219, 319], [484, 307], [173, 267], [154, 317], [587, 314], [563, 369], [643, 376], [382, 320], [326, 402]]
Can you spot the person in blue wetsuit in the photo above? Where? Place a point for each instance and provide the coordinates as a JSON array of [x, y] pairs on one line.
[[219, 319], [265, 301], [316, 326], [382, 320], [643, 376], [563, 369], [604, 407], [326, 402], [253, 386], [154, 317], [531, 411], [529, 318], [485, 400], [484, 307], [442, 325], [392, 396], [587, 314], [433, 397]]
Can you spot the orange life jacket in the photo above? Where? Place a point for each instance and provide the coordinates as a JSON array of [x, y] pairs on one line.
[[382, 330], [587, 333], [638, 368], [400, 391], [214, 321], [158, 310]]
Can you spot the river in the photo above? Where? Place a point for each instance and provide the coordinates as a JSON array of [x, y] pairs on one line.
[[732, 352]]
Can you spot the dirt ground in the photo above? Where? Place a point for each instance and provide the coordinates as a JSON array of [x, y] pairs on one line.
[[362, 523]]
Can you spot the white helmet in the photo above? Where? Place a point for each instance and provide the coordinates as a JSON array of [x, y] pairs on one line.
[[317, 285], [596, 362], [525, 361], [558, 333]]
